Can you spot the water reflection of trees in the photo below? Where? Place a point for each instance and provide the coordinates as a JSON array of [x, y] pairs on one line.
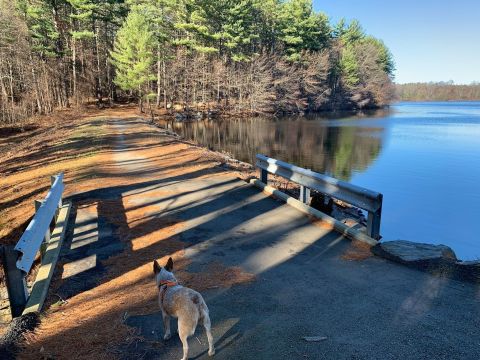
[[315, 144]]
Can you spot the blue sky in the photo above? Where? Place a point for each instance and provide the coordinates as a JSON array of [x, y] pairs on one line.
[[430, 40]]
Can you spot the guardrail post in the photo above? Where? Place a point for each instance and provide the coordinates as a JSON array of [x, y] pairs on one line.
[[304, 194], [15, 281], [373, 224], [263, 175]]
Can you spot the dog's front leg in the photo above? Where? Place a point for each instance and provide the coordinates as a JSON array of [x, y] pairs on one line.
[[166, 325]]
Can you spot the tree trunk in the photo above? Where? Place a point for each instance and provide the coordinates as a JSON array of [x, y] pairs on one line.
[[96, 55], [11, 85], [185, 84], [4, 100], [164, 85], [140, 99], [74, 71], [35, 85], [159, 65]]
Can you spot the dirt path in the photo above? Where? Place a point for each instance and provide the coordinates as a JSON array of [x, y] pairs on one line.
[[269, 275]]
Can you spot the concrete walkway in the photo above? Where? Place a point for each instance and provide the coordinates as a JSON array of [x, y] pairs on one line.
[[369, 309]]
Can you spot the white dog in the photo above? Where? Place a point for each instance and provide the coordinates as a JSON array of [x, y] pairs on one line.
[[183, 303]]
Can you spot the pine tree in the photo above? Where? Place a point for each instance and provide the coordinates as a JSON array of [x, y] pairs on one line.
[[83, 14], [339, 29], [202, 53], [353, 33], [239, 30], [200, 24], [349, 67], [302, 29], [132, 55], [268, 23], [385, 58], [82, 24], [162, 15], [41, 26]]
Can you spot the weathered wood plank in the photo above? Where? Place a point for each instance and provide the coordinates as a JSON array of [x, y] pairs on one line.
[[49, 260]]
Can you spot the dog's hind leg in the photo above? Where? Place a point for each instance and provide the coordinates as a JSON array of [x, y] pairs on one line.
[[166, 326], [207, 325], [184, 331]]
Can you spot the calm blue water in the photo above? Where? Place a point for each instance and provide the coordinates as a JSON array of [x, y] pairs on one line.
[[423, 157], [429, 173]]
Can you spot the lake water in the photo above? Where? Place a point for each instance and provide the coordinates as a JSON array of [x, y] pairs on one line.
[[423, 157]]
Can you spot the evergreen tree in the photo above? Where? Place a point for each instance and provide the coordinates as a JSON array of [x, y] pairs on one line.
[[41, 26], [162, 15], [83, 15], [200, 22], [385, 58], [339, 29], [349, 67], [352, 33], [239, 30], [302, 29], [132, 55], [268, 23]]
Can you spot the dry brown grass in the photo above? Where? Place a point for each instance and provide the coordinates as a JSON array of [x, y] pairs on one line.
[[357, 251], [217, 275], [321, 224]]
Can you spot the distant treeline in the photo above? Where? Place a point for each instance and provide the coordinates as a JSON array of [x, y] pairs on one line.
[[442, 91], [255, 56]]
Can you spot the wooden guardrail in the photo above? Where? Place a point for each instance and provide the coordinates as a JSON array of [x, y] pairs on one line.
[[368, 200], [18, 260]]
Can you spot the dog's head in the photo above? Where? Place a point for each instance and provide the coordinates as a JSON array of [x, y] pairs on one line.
[[163, 274]]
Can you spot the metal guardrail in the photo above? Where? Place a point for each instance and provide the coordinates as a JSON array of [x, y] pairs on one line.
[[18, 261], [368, 200], [39, 228]]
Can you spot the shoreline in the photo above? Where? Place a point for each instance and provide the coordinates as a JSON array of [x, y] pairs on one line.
[[341, 211], [436, 259], [202, 113], [434, 101]]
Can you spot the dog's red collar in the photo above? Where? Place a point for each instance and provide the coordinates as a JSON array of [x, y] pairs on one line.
[[163, 287], [167, 283]]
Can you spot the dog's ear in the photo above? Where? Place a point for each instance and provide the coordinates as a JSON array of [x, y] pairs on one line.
[[169, 266], [156, 267]]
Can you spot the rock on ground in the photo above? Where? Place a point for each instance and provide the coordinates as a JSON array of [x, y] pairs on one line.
[[438, 259]]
